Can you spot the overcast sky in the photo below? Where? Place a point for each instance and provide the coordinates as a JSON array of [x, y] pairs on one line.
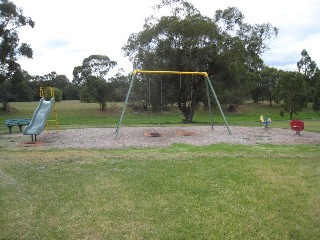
[[67, 31]]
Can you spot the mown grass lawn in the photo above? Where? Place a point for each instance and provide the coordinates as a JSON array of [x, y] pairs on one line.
[[179, 192]]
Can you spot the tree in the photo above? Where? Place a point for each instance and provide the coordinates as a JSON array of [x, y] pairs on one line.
[[306, 65], [120, 84], [11, 19], [57, 94], [70, 91], [240, 56], [94, 65], [253, 38], [316, 97], [308, 68], [188, 41], [17, 87], [292, 92], [101, 91], [97, 90], [264, 88], [91, 76]]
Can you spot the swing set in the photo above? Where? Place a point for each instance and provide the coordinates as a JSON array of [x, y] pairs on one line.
[[209, 88]]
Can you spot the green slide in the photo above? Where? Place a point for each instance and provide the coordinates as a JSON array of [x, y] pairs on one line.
[[39, 118]]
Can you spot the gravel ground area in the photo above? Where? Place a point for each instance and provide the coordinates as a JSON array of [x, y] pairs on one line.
[[140, 137]]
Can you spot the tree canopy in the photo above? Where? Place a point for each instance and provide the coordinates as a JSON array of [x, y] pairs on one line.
[[176, 37], [226, 47], [292, 92], [306, 65], [11, 19], [91, 76]]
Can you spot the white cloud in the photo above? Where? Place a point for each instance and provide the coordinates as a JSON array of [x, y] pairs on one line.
[[66, 32]]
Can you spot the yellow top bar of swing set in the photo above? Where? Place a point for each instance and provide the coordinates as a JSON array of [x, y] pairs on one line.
[[205, 74]]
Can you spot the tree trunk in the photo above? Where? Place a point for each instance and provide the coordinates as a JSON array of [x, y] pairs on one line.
[[5, 106], [188, 115], [189, 99], [103, 106], [4, 100], [187, 111]]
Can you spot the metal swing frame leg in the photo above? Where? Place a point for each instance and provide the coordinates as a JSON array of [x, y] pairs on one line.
[[125, 105], [218, 103]]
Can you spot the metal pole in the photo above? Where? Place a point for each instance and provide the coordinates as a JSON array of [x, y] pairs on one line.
[[209, 103], [216, 98], [161, 96], [125, 104]]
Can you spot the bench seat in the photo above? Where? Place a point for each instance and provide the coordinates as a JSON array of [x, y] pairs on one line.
[[20, 122]]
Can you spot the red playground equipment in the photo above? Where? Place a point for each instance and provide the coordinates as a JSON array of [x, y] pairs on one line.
[[297, 125]]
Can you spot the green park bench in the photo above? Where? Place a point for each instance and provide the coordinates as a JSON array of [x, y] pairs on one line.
[[20, 122]]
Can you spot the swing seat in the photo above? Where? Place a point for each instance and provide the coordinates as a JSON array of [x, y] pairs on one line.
[[155, 134], [297, 125], [152, 134]]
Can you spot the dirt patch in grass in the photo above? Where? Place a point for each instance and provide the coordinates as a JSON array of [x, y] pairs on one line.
[[139, 137]]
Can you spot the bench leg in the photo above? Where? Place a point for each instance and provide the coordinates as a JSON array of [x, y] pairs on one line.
[[10, 129]]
